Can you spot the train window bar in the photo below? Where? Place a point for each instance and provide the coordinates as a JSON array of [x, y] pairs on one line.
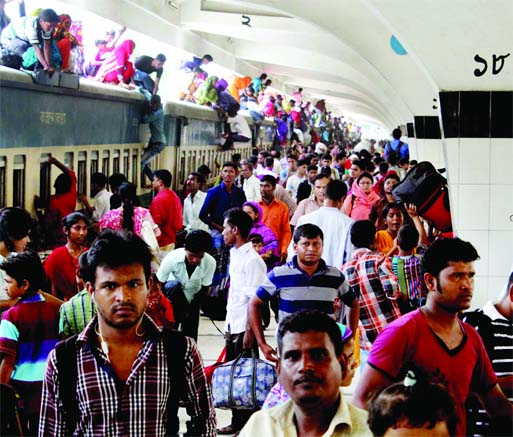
[[2, 181], [82, 172], [18, 186], [126, 162], [115, 161], [44, 179], [105, 162], [93, 162]]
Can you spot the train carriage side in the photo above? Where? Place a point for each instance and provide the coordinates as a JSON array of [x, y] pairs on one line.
[[93, 128]]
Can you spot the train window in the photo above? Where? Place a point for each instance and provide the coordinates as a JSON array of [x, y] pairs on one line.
[[105, 163], [135, 165], [93, 162], [44, 178], [18, 176], [68, 160], [2, 181], [126, 161], [115, 161], [82, 172]]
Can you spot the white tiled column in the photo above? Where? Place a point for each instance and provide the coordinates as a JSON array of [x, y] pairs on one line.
[[480, 173]]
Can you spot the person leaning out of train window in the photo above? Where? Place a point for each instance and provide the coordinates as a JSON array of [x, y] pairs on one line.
[[31, 38], [60, 204]]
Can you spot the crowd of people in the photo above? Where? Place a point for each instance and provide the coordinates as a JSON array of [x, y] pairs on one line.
[[309, 232], [318, 237]]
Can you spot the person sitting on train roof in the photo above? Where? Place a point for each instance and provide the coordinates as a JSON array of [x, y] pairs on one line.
[[190, 66], [157, 141], [65, 40], [101, 197], [117, 68], [31, 38], [62, 264], [146, 65], [258, 82], [62, 203]]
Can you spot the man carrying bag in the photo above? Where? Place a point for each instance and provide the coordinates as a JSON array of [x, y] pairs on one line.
[[247, 272]]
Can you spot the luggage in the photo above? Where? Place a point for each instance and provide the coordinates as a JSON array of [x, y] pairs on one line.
[[243, 383], [427, 189], [209, 370]]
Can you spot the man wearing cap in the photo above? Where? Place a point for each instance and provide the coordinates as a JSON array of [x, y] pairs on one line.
[[146, 65], [31, 39]]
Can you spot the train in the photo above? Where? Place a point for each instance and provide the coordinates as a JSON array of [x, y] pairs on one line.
[[96, 127]]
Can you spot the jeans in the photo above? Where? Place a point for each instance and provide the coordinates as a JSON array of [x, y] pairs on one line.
[[143, 79]]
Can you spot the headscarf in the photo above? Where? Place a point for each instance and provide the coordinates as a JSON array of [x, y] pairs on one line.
[[207, 92], [268, 236], [221, 85], [364, 199], [62, 28]]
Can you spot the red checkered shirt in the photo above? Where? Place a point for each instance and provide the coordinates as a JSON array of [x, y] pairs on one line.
[[372, 280]]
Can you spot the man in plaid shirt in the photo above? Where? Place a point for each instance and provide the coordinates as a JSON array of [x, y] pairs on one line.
[[125, 384], [371, 278]]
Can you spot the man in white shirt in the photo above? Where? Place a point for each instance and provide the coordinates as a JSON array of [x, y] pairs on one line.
[[334, 224], [247, 272], [294, 180], [240, 131], [251, 184], [100, 195], [193, 203], [185, 275]]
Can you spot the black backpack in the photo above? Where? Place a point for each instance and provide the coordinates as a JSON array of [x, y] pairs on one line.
[[175, 346], [393, 155]]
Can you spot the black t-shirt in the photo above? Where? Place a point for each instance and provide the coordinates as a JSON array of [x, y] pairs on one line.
[[143, 63]]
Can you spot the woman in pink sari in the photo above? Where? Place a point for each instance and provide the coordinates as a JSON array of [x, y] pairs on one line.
[[117, 67], [359, 203]]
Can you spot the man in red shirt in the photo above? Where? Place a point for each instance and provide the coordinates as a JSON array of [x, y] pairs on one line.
[[276, 214], [166, 210]]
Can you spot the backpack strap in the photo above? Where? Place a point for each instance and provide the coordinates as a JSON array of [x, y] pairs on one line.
[[175, 346], [66, 358]]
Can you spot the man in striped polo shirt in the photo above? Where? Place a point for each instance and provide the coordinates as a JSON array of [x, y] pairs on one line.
[[494, 323], [304, 283]]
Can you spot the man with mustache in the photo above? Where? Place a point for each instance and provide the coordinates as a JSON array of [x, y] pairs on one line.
[[434, 342], [310, 367], [123, 375]]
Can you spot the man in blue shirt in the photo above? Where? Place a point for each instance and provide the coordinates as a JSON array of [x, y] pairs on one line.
[[306, 282], [396, 148], [220, 199]]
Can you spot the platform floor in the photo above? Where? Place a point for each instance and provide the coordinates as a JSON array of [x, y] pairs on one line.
[[210, 343]]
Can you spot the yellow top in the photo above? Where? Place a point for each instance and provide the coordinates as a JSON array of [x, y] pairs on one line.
[[279, 421]]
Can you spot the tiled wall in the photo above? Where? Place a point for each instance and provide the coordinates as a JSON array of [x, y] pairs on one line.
[[428, 141], [478, 131]]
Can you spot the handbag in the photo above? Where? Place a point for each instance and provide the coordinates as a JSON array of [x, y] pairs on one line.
[[209, 370], [243, 384]]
